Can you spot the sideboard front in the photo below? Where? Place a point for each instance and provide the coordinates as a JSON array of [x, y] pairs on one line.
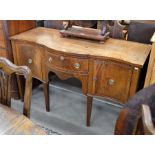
[[110, 70], [111, 79]]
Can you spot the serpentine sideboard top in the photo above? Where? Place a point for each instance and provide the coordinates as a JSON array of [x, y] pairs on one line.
[[125, 51]]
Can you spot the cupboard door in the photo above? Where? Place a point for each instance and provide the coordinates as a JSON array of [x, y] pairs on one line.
[[29, 55], [112, 79]]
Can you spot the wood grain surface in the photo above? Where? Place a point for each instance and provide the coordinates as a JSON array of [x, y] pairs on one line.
[[7, 68], [14, 123], [150, 76], [108, 70], [127, 51]]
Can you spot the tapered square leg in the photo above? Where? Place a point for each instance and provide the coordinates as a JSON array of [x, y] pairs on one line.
[[89, 109], [46, 94]]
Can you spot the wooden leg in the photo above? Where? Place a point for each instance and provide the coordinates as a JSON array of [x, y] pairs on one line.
[[89, 109], [46, 93], [20, 87]]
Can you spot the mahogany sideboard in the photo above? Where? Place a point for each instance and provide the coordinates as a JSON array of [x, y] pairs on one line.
[[109, 70]]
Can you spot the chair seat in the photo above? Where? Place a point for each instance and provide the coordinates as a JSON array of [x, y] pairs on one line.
[[14, 123]]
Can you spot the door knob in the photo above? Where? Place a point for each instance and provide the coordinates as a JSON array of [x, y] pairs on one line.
[[30, 61], [111, 82], [77, 65], [50, 59], [62, 58]]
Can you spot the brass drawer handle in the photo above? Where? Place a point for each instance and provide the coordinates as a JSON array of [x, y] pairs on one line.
[[62, 58], [77, 65], [111, 82], [30, 61], [50, 59]]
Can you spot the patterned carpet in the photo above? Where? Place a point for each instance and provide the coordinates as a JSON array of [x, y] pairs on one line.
[[50, 131], [68, 109]]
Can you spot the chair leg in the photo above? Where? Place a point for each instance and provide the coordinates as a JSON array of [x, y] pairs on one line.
[[26, 110], [89, 109], [46, 94], [20, 87]]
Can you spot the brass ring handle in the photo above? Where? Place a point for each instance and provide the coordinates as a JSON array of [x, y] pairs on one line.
[[50, 59], [62, 58], [30, 61], [111, 82], [77, 65]]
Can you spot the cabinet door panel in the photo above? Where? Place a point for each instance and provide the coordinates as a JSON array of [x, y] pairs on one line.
[[112, 79], [30, 55]]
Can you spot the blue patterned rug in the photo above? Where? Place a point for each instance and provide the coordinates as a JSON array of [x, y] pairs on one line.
[[50, 131]]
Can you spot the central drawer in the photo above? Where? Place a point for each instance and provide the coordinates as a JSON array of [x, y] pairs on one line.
[[66, 63]]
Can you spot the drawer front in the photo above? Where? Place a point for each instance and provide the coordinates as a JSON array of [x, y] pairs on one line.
[[2, 39], [67, 63], [29, 55], [112, 79]]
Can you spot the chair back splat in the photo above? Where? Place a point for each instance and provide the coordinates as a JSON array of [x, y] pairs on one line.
[[7, 69]]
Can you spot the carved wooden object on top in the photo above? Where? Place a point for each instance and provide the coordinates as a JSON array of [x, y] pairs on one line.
[[114, 27], [116, 30], [82, 23], [88, 33]]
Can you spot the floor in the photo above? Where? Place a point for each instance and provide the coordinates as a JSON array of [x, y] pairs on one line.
[[68, 110]]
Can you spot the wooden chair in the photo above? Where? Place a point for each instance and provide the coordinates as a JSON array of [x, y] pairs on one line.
[[115, 27], [7, 69], [64, 24], [141, 31], [135, 117], [147, 120]]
